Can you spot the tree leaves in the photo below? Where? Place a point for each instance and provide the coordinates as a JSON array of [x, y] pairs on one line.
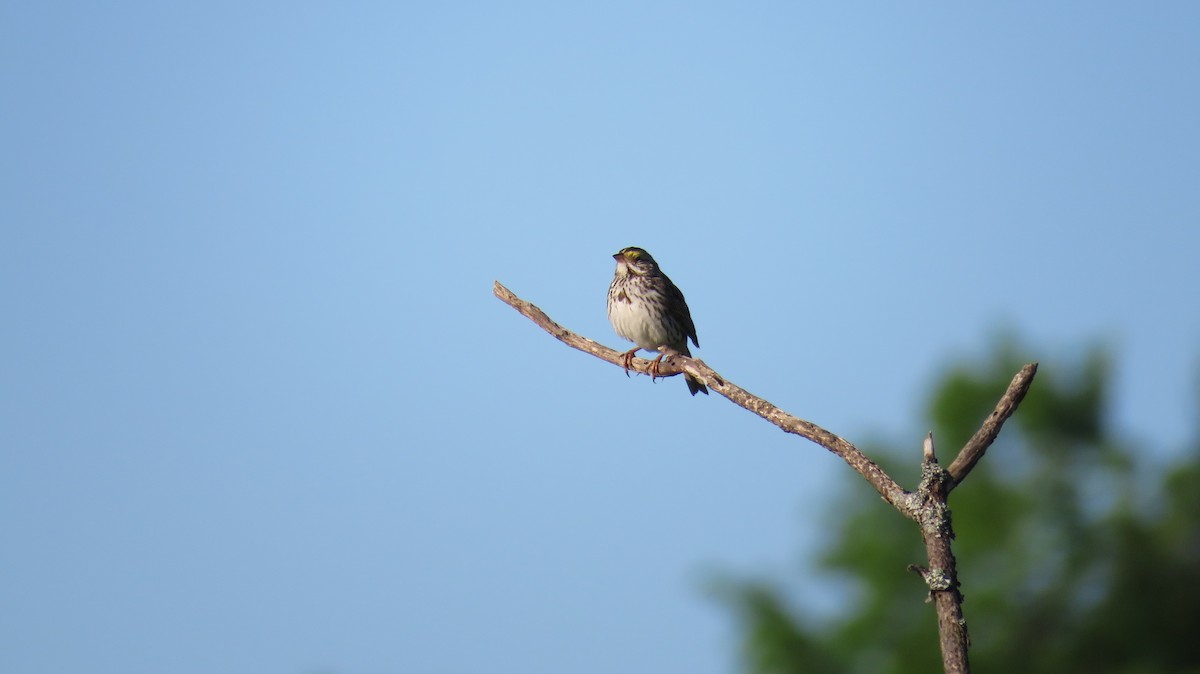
[[1064, 566]]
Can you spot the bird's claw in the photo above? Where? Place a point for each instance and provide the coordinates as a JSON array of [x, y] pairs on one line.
[[654, 367]]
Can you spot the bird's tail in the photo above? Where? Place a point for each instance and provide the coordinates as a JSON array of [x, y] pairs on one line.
[[694, 385]]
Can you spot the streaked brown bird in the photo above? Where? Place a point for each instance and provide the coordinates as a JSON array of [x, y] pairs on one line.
[[646, 308]]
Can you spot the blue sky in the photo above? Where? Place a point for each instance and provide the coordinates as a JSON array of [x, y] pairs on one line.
[[262, 414]]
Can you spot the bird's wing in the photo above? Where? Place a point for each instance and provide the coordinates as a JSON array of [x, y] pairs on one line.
[[682, 313]]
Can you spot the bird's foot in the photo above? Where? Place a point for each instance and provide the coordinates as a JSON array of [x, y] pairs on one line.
[[627, 359], [654, 366]]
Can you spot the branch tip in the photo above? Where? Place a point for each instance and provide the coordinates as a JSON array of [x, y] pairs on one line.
[[975, 448]]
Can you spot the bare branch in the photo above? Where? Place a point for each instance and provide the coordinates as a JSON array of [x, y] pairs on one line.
[[927, 505], [564, 335], [881, 481], [975, 448]]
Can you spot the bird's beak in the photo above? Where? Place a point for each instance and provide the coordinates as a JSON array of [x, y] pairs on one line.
[[618, 257]]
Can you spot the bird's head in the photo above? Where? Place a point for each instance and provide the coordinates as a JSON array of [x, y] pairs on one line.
[[635, 261]]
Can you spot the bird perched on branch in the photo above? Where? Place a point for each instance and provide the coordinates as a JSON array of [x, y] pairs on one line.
[[648, 310]]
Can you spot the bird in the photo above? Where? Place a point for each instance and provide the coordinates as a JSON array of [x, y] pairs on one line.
[[646, 308]]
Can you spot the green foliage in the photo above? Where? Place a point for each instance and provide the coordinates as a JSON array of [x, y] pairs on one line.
[[1070, 560]]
